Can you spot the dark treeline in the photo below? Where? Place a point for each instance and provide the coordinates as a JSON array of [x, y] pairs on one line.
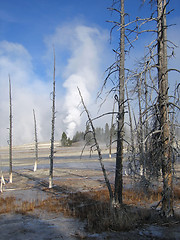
[[102, 134]]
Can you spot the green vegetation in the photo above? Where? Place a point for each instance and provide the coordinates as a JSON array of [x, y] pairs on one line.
[[102, 134], [65, 141]]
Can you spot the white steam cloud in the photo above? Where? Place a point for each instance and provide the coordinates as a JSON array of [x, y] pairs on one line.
[[85, 46], [81, 58], [78, 52], [28, 92], [82, 72]]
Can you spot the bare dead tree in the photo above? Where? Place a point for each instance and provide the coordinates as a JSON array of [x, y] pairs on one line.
[[118, 68], [132, 144], [36, 142], [157, 88], [140, 126], [163, 104], [52, 129], [111, 131], [158, 50], [10, 132], [120, 128], [2, 178], [167, 201], [96, 145], [146, 105], [174, 126], [1, 187]]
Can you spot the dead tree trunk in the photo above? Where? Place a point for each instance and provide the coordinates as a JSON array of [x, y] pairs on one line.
[[10, 132], [111, 131], [98, 150], [140, 128], [120, 130], [2, 178], [52, 131], [167, 201], [146, 107], [133, 157], [36, 142]]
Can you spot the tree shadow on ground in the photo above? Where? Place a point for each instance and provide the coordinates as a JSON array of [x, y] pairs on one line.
[[20, 227], [93, 208]]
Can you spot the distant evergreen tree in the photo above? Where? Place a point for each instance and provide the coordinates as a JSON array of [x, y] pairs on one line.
[[102, 135], [106, 133], [69, 142], [64, 140], [99, 134], [88, 135], [113, 132], [79, 136]]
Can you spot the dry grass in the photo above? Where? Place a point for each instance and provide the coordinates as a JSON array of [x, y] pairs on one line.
[[10, 204], [132, 197], [93, 206], [7, 204]]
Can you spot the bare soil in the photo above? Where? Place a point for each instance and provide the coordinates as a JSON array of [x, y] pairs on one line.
[[23, 215]]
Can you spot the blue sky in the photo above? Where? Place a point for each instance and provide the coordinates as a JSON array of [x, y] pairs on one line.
[[30, 22], [80, 34]]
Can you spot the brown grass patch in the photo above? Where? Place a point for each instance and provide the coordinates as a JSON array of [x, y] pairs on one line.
[[94, 208], [132, 197], [7, 204]]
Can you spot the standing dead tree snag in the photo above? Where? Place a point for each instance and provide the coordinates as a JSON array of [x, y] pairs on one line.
[[111, 131], [140, 134], [97, 148], [157, 59], [132, 157], [167, 201], [1, 178], [52, 129], [10, 132], [120, 117], [36, 142], [118, 68]]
